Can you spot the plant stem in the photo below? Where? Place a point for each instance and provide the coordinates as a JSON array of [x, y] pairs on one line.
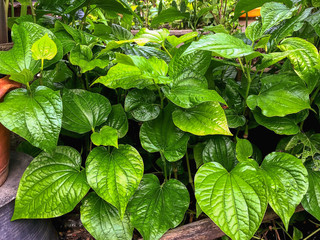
[[24, 10], [6, 9], [166, 50], [160, 94], [164, 166], [33, 12], [312, 234], [12, 8], [175, 170], [242, 67], [189, 171], [284, 230], [249, 81]]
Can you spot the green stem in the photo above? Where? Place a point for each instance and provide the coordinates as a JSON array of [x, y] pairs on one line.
[[242, 67], [24, 10], [6, 9], [175, 170], [160, 94], [249, 81], [33, 12], [284, 230], [164, 166], [166, 50], [12, 8], [312, 234], [28, 87], [189, 171]]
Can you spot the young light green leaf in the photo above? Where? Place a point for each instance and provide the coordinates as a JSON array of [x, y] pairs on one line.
[[118, 119], [286, 181], [280, 95], [175, 41], [161, 135], [156, 208], [222, 150], [52, 185], [83, 110], [36, 118], [107, 136], [304, 60], [142, 104], [244, 149], [156, 36], [311, 201], [236, 201], [115, 176], [204, 119], [102, 220], [44, 48], [222, 44]]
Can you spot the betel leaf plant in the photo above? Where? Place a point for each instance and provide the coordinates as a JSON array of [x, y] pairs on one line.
[[142, 131]]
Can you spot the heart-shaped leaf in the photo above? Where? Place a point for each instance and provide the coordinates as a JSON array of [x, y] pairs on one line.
[[244, 149], [156, 208], [107, 136], [161, 135], [115, 176], [286, 181], [44, 48], [52, 185], [236, 201], [83, 110], [102, 220], [37, 118], [203, 119]]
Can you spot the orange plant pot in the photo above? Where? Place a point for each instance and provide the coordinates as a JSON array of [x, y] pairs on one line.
[[5, 86], [252, 13]]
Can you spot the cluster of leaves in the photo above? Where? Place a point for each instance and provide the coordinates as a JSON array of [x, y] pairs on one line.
[[112, 120]]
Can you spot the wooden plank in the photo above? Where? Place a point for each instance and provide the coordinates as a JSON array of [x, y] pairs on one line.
[[6, 46]]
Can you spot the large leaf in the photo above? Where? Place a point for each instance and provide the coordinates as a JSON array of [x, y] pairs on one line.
[[199, 60], [247, 5], [102, 220], [168, 15], [155, 36], [253, 31], [221, 44], [142, 104], [118, 119], [115, 176], [272, 13], [37, 118], [286, 181], [314, 21], [304, 60], [222, 150], [155, 208], [280, 95], [161, 135], [52, 185], [311, 200], [19, 57], [147, 52], [83, 110], [236, 201], [204, 119]]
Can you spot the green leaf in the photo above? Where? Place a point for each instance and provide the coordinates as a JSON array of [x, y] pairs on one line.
[[24, 77], [272, 13], [234, 119], [156, 208], [175, 41], [147, 52], [204, 119], [197, 154], [107, 136], [311, 201], [297, 234], [83, 110], [115, 176], [191, 96], [168, 15], [121, 33], [44, 48], [244, 149], [118, 119], [36, 118], [286, 182], [102, 220], [236, 201], [19, 58], [161, 135], [155, 36], [82, 56], [51, 186], [272, 58], [223, 45], [142, 104], [280, 95], [304, 60], [247, 5], [253, 31], [199, 60], [314, 21], [222, 150]]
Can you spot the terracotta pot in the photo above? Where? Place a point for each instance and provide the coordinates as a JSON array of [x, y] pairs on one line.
[[252, 13], [5, 86]]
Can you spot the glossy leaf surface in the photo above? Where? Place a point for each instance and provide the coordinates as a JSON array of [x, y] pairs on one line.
[[156, 208], [44, 48], [107, 136], [244, 149], [118, 119], [115, 176], [52, 185]]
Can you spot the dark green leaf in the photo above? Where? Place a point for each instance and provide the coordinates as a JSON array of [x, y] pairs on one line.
[[118, 119], [168, 15]]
